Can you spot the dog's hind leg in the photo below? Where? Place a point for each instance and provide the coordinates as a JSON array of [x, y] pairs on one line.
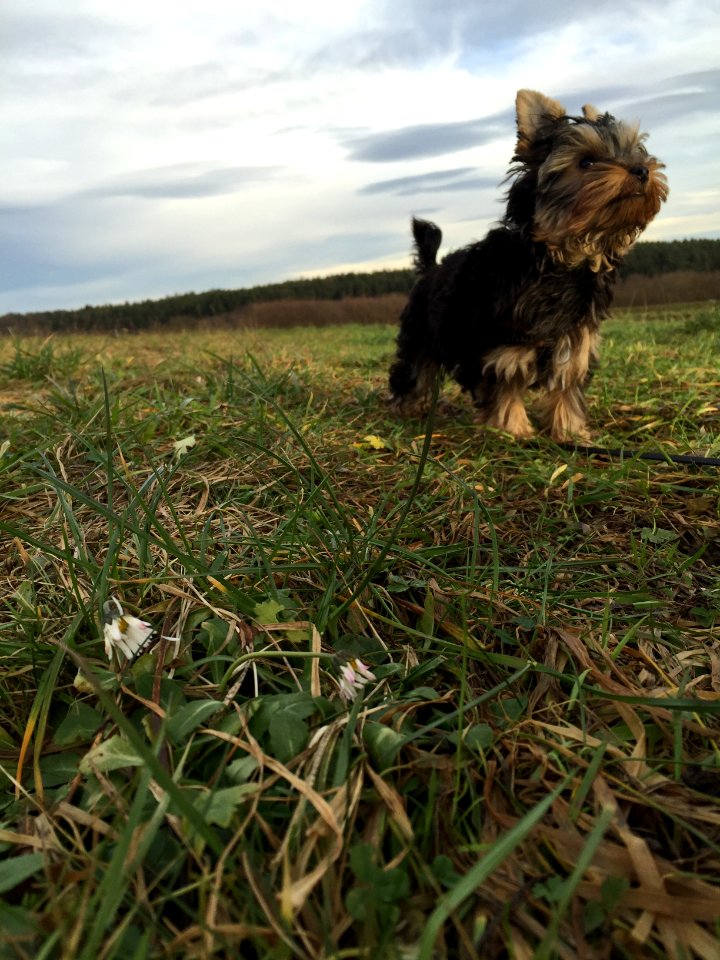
[[413, 372], [415, 369], [411, 383]]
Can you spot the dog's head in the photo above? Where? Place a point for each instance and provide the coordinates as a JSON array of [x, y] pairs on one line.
[[588, 184]]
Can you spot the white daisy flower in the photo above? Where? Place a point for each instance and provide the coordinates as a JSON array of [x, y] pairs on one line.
[[123, 632], [353, 677]]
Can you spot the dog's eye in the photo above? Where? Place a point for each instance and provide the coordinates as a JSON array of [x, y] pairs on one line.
[[586, 163]]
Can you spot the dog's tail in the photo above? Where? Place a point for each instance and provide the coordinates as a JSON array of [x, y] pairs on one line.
[[428, 238]]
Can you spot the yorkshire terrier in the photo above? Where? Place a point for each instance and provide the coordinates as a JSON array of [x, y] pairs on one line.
[[521, 309]]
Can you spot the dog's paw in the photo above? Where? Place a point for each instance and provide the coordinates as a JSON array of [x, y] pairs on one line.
[[580, 435], [519, 433], [407, 406], [446, 408], [512, 420]]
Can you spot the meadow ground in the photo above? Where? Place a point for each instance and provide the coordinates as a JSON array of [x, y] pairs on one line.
[[534, 772]]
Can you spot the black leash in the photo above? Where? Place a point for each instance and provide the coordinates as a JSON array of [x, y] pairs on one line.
[[620, 453]]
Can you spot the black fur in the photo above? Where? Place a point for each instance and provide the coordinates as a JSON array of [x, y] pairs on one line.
[[502, 291]]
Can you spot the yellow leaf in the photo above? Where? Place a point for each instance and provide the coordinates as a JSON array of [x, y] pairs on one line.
[[181, 447], [82, 685], [377, 443]]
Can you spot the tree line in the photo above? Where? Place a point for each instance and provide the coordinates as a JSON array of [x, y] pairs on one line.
[[191, 307], [648, 259], [652, 258]]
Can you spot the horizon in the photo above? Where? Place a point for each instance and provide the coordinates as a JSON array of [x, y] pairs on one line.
[[289, 281]]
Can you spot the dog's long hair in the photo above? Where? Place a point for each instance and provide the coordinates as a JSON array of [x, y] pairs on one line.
[[521, 309]]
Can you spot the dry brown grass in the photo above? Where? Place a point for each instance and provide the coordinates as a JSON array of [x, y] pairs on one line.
[[669, 288]]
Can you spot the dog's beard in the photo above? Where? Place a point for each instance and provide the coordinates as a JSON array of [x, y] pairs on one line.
[[595, 214]]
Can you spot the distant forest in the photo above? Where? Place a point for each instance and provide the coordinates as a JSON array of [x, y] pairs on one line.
[[650, 259]]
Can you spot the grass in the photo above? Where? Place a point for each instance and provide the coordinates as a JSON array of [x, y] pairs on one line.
[[535, 770]]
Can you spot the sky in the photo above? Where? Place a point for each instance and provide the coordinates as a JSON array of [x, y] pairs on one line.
[[151, 148]]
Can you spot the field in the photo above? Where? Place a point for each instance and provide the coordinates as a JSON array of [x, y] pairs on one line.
[[533, 771]]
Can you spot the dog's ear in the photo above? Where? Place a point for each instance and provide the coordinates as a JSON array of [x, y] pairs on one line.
[[590, 112], [536, 116]]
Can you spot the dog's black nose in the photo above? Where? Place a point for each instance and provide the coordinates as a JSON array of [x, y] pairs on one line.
[[641, 173]]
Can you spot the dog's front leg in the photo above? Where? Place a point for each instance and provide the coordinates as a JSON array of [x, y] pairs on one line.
[[562, 409], [508, 413], [507, 372]]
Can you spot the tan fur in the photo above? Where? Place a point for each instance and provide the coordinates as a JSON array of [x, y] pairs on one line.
[[512, 363], [562, 407], [574, 251], [562, 413], [571, 364], [535, 112], [515, 368], [509, 414], [610, 205]]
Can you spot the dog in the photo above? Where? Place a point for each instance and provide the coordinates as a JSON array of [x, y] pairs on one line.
[[522, 308]]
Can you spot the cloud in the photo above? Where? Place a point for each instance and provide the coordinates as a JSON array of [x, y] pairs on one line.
[[42, 272], [428, 139], [183, 181], [677, 98], [57, 31], [416, 33], [685, 94], [91, 234], [439, 181], [59, 244], [183, 86]]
